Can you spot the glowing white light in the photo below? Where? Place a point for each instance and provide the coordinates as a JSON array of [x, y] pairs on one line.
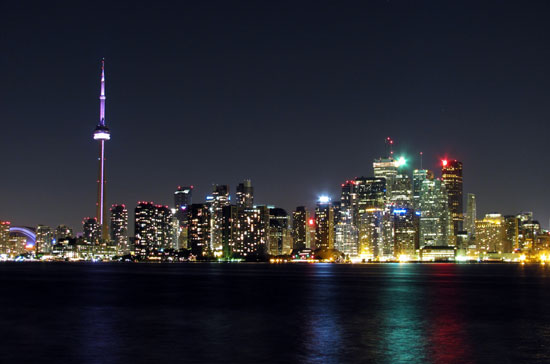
[[324, 199], [102, 136]]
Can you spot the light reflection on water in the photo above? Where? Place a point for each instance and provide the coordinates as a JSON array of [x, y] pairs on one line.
[[253, 313]]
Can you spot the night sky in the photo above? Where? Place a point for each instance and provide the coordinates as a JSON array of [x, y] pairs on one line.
[[297, 96]]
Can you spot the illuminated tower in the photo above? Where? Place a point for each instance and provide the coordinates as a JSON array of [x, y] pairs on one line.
[[451, 176], [102, 134]]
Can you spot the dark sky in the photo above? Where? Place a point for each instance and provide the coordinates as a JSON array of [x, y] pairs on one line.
[[297, 96]]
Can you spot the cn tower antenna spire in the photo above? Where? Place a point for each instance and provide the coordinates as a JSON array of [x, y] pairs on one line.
[[102, 95]]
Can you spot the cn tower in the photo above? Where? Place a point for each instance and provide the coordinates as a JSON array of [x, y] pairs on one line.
[[102, 134]]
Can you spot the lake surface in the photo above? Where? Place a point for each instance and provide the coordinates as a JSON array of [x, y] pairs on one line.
[[262, 313]]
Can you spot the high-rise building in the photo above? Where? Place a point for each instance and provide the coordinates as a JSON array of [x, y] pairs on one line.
[[402, 192], [491, 233], [5, 237], [119, 228], [471, 216], [300, 236], [404, 232], [199, 229], [434, 214], [324, 224], [183, 197], [279, 240], [252, 232], [218, 200], [44, 239], [419, 176], [102, 134], [346, 235], [512, 232], [91, 231], [245, 194], [386, 168], [63, 232], [451, 176], [153, 230]]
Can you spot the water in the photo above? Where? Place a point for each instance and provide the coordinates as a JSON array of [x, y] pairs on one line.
[[261, 313]]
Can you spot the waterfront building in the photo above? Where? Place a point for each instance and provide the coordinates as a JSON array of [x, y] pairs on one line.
[[324, 224], [63, 232], [91, 231], [404, 232], [252, 232], [119, 228], [199, 229], [218, 200], [346, 234], [511, 241], [279, 233], [153, 230], [491, 233], [44, 239], [451, 176], [300, 236], [471, 216], [5, 237], [434, 214]]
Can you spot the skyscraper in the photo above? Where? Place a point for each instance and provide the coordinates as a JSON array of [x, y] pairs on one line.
[[434, 214], [419, 175], [102, 134], [119, 228], [300, 236], [491, 233], [183, 197], [471, 216], [245, 194], [153, 230], [220, 199], [44, 239], [324, 223], [91, 231], [451, 176], [199, 229], [279, 240]]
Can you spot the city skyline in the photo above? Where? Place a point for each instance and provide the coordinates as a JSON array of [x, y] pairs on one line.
[[164, 107]]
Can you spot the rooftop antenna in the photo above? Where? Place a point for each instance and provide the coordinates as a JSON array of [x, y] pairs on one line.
[[421, 160], [389, 146]]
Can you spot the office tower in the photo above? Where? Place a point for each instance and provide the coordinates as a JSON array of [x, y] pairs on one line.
[[252, 232], [451, 176], [199, 229], [529, 230], [153, 230], [434, 214], [4, 237], [279, 240], [405, 231], [91, 231], [512, 232], [63, 232], [324, 224], [229, 231], [402, 192], [300, 236], [183, 197], [245, 194], [370, 194], [346, 235], [471, 216], [44, 239], [102, 134], [119, 229], [218, 200], [386, 168], [419, 176], [491, 233]]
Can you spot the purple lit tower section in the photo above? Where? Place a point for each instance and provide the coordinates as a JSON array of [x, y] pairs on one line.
[[102, 134]]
